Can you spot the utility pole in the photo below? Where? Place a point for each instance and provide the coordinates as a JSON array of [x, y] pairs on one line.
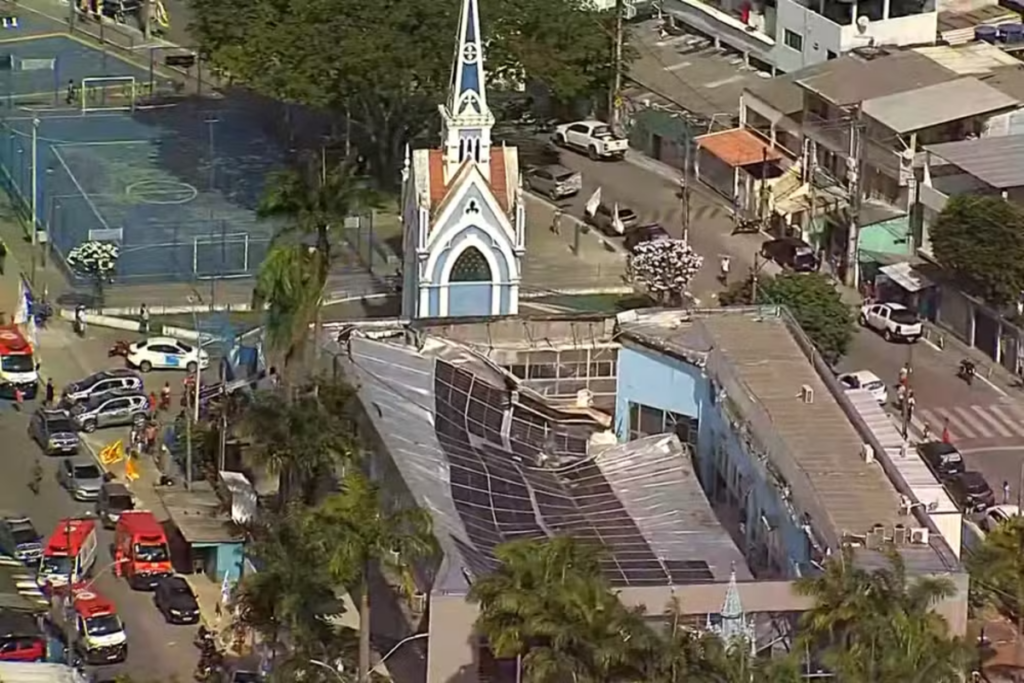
[[684, 191], [855, 174], [614, 94], [35, 195], [753, 280]]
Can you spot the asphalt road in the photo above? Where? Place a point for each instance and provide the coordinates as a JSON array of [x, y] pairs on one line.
[[157, 650], [984, 422]]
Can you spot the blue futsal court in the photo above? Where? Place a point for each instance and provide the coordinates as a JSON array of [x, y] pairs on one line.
[[175, 184]]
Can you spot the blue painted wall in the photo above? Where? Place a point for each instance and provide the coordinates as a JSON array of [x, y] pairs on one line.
[[659, 381], [469, 298], [227, 558], [724, 465]]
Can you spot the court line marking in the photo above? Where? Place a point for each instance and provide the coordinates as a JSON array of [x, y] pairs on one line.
[[78, 186], [29, 39]]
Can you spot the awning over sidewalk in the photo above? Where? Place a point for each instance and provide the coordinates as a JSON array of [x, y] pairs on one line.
[[906, 276]]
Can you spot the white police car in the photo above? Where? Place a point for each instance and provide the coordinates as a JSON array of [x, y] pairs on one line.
[[166, 353]]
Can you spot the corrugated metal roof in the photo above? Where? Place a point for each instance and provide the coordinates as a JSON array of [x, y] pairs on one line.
[[852, 79], [937, 104], [997, 161]]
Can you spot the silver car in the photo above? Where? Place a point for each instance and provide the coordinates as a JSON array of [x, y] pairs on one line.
[[554, 181], [112, 409], [81, 477]]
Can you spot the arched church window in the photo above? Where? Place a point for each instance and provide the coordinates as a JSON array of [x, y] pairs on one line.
[[471, 267]]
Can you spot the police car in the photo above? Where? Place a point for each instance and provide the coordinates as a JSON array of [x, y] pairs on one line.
[[166, 353]]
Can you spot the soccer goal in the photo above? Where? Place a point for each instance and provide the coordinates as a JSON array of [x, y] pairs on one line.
[[108, 93]]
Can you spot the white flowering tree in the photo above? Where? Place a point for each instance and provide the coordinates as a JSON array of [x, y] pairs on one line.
[[665, 268], [95, 260]]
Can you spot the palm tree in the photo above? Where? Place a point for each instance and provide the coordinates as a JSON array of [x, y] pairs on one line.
[[878, 625], [356, 533], [310, 201], [298, 440], [997, 566]]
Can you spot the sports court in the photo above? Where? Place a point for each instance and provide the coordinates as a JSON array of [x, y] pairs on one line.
[[174, 181]]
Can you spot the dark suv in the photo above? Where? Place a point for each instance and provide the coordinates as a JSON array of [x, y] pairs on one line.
[[942, 458], [971, 492], [54, 431], [792, 253], [100, 383], [645, 233]]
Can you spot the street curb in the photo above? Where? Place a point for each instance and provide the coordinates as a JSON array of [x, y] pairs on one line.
[[130, 325]]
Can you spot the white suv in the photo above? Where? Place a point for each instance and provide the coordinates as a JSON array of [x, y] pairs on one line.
[[895, 322]]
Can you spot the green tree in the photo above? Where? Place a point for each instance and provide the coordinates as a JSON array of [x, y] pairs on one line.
[[387, 65], [997, 567], [980, 239], [356, 533], [307, 202], [812, 299], [299, 440], [879, 625]]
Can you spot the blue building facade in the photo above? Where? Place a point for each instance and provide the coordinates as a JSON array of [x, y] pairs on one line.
[[659, 392]]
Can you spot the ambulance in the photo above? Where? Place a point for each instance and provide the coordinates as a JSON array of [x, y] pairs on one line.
[[17, 363], [141, 553], [69, 553], [91, 620]]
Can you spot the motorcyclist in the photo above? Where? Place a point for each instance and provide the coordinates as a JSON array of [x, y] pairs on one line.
[[967, 370], [80, 319]]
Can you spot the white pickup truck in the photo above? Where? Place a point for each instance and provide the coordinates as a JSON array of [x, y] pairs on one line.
[[595, 138]]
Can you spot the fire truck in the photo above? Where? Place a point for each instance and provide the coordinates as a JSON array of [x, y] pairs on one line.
[[91, 624], [17, 363], [69, 554], [141, 552]]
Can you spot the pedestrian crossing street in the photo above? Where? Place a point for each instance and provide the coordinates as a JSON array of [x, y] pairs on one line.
[[992, 421]]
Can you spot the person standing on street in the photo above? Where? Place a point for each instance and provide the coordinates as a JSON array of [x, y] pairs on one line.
[[3, 256], [48, 393], [556, 221], [1006, 492], [144, 318]]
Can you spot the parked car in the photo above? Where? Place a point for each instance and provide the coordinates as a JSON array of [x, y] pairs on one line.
[[971, 492], [895, 322], [21, 639], [942, 458], [604, 219], [114, 499], [81, 477], [54, 431], [176, 601], [645, 233], [554, 181], [19, 538], [595, 138], [110, 410], [997, 515], [121, 379], [865, 379], [792, 253], [166, 353]]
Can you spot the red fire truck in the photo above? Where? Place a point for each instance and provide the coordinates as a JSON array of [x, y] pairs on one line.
[[141, 551], [17, 363]]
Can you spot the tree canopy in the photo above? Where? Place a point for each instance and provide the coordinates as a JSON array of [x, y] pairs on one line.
[[388, 63], [812, 299], [980, 239]]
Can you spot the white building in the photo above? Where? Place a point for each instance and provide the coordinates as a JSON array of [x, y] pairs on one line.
[[462, 204]]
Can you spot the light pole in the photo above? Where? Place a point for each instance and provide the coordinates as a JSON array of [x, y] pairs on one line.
[[193, 408], [403, 641]]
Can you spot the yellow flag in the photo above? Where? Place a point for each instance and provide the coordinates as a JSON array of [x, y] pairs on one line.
[[112, 453], [131, 469]]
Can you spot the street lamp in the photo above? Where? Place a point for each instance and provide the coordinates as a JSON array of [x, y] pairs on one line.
[[403, 641]]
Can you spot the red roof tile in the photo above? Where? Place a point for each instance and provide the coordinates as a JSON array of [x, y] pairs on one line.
[[738, 147], [436, 174], [498, 181]]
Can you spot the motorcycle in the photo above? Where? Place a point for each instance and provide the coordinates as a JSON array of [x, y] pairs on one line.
[[967, 371], [120, 348], [204, 639]]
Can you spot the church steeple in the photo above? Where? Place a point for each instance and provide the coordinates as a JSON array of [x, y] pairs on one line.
[[466, 133]]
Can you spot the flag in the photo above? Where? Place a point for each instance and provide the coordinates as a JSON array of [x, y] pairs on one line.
[[21, 313], [131, 469], [616, 221], [112, 453], [593, 202], [32, 332]]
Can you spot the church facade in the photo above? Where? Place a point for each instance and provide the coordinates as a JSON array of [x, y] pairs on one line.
[[462, 204]]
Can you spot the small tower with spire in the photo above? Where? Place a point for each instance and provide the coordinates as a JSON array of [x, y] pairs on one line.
[[734, 627], [466, 118], [463, 215]]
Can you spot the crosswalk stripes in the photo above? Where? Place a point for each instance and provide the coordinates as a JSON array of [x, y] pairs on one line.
[[993, 421]]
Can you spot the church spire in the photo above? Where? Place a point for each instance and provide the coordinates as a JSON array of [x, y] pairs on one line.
[[734, 627], [466, 133]]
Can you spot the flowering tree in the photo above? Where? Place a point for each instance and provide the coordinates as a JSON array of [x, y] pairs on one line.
[[95, 260], [664, 268]]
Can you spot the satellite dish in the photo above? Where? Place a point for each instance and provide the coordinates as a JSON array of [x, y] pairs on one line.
[[862, 23]]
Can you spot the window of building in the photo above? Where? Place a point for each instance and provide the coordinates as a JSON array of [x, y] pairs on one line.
[[793, 40], [647, 421], [471, 267]]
